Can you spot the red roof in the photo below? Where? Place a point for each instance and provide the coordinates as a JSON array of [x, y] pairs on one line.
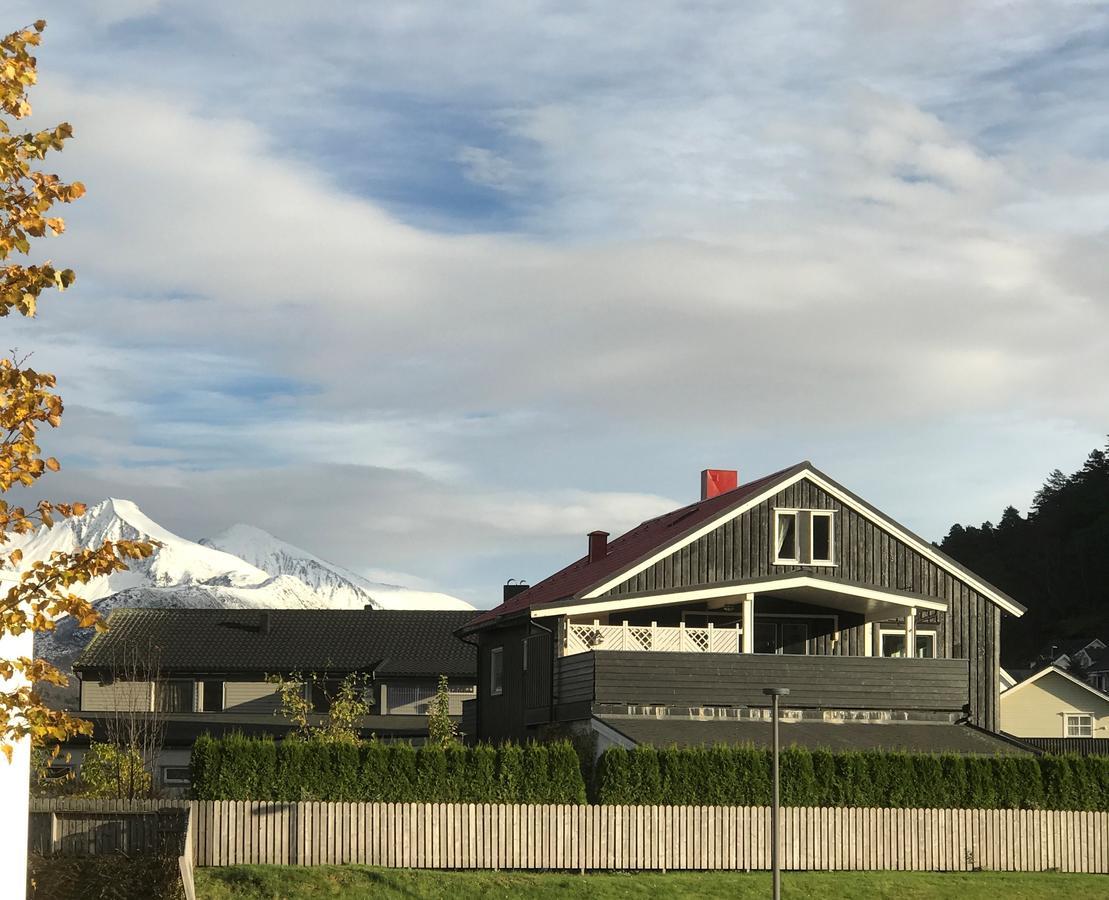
[[624, 552]]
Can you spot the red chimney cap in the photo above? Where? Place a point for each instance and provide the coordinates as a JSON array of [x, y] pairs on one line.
[[718, 481]]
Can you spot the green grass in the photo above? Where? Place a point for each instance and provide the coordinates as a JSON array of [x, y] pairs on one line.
[[358, 882]]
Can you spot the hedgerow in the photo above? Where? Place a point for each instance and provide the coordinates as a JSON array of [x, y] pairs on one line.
[[740, 776], [237, 767]]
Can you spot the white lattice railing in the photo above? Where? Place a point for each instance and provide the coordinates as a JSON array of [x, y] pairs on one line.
[[581, 637]]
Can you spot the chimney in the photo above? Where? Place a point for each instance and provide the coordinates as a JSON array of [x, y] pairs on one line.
[[598, 545], [512, 588], [715, 482]]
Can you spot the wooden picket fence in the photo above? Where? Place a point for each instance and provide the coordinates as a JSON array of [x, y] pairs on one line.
[[497, 836], [581, 838]]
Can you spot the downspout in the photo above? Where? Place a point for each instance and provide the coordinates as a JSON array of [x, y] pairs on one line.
[[477, 679]]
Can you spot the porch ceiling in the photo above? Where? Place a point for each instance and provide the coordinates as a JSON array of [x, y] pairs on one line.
[[870, 602]]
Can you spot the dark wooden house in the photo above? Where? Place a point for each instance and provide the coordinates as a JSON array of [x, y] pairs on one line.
[[670, 632]]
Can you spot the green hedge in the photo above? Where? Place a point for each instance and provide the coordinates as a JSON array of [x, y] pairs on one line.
[[740, 776], [244, 768]]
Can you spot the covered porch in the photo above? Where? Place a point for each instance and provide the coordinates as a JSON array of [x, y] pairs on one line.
[[797, 614]]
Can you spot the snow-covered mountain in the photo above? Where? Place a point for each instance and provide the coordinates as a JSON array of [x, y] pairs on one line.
[[340, 587], [243, 567]]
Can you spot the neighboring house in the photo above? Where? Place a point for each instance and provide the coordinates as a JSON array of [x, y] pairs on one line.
[[1052, 703], [670, 632], [1097, 669], [210, 669], [1070, 652]]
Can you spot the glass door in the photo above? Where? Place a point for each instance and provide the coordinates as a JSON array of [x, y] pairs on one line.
[[781, 636]]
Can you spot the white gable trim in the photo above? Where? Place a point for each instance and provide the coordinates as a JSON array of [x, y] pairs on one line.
[[881, 521], [613, 604], [1034, 678]]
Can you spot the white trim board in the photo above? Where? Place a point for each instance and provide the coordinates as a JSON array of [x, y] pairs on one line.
[[881, 521], [609, 604]]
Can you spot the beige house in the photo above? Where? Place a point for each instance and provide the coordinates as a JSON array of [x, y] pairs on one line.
[[1054, 704]]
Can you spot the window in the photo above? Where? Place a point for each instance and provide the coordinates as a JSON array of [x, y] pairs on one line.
[[804, 537], [893, 643], [496, 671], [174, 696], [211, 696], [175, 775], [320, 694], [1078, 725], [820, 537], [785, 525]]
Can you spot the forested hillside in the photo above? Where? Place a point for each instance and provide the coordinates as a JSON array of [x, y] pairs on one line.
[[1055, 560]]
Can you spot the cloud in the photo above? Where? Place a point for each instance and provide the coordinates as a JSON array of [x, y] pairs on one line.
[[736, 235]]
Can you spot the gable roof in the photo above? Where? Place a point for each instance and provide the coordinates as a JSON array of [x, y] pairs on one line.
[[279, 641], [1032, 679], [631, 547], [656, 538]]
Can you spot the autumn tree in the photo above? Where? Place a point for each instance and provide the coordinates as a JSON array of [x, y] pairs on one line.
[[441, 728], [28, 401]]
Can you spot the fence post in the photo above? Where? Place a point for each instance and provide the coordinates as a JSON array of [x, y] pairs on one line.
[[681, 636], [708, 643], [624, 635], [55, 833]]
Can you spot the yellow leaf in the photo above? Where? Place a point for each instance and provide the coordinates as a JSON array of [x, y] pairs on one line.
[[52, 464]]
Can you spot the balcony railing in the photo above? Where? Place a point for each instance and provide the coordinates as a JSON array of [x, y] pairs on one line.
[[581, 637]]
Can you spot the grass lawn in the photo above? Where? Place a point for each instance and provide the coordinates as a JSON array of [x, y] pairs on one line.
[[358, 882]]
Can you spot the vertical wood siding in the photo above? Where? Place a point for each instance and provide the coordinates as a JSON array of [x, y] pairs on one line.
[[864, 553]]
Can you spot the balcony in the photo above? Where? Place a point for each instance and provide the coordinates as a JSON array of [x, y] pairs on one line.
[[915, 688], [582, 637]]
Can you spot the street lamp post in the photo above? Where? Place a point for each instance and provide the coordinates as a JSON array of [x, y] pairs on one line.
[[776, 845]]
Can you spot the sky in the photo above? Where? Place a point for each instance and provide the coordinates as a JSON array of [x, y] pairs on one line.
[[434, 289]]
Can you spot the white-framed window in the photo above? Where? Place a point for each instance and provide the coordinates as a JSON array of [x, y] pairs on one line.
[[175, 775], [786, 543], [1078, 725], [891, 642], [804, 537], [496, 671], [821, 534]]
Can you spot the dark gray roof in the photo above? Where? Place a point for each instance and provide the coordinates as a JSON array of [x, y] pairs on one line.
[[387, 642], [928, 737]]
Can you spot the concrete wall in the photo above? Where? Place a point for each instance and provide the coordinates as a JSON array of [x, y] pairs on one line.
[[1037, 709]]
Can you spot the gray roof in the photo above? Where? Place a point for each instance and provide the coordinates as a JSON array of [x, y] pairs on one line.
[[926, 737], [386, 642]]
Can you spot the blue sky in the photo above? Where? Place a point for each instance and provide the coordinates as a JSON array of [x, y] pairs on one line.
[[434, 290]]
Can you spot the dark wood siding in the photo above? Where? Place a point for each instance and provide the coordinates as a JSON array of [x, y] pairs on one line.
[[537, 678], [818, 682], [574, 678], [501, 717], [865, 554]]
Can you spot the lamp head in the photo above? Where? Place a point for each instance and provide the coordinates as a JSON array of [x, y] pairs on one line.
[[776, 691]]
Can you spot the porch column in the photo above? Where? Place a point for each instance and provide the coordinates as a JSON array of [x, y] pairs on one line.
[[868, 639], [749, 624], [910, 633]]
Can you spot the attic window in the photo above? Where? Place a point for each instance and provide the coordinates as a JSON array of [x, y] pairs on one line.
[[804, 537], [820, 537], [785, 528]]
